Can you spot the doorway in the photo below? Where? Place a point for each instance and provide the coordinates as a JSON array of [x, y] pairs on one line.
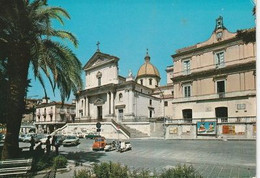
[[222, 112], [120, 114], [99, 112]]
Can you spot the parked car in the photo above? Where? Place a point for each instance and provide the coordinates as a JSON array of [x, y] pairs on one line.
[[60, 139], [38, 137], [99, 144], [92, 135], [80, 134], [43, 140], [28, 137], [21, 137], [2, 137], [71, 140]]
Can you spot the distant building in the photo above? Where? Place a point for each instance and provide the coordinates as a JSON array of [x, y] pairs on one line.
[[215, 78], [108, 95], [30, 106], [53, 115]]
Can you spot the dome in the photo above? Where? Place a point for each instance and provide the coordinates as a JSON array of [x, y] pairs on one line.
[[148, 69]]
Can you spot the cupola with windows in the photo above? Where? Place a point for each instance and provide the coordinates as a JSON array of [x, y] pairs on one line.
[[148, 75]]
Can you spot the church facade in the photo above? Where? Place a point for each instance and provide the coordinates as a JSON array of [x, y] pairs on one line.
[[107, 95]]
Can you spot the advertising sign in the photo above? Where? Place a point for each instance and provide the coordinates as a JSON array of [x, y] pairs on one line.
[[206, 128]]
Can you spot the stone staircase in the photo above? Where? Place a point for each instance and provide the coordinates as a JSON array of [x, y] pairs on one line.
[[135, 133]]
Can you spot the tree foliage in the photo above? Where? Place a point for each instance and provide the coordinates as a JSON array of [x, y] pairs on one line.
[[27, 38]]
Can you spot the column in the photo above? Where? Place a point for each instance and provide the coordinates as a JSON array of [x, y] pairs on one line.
[[112, 103], [108, 103], [88, 109], [86, 106]]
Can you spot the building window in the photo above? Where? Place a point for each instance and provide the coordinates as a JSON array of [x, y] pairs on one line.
[[120, 96], [221, 86], [150, 102], [172, 93], [99, 81], [165, 103], [141, 81], [99, 75], [219, 59], [150, 81], [187, 90], [186, 66], [82, 103], [151, 113]]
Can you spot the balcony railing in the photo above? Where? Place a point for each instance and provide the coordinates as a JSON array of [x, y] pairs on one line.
[[248, 119]]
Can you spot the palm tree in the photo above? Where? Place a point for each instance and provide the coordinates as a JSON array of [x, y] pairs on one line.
[[28, 39]]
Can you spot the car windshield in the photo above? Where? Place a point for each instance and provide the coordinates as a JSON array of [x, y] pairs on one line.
[[99, 140], [71, 137]]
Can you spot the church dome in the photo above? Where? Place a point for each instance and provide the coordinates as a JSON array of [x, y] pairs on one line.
[[148, 69]]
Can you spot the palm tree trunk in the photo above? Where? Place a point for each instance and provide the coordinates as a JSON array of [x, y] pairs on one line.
[[18, 66]]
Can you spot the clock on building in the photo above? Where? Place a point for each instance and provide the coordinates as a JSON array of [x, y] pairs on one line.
[[219, 35]]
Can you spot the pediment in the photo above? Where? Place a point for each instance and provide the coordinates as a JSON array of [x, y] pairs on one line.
[[99, 101], [98, 59]]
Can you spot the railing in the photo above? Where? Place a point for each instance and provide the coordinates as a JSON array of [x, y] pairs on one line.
[[121, 127], [247, 119]]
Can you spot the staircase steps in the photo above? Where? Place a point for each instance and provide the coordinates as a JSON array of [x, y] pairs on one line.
[[135, 133]]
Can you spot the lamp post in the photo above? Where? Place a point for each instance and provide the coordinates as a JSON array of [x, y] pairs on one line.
[[164, 129]]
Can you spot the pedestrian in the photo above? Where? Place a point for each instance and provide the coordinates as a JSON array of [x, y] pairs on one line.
[[39, 150], [32, 141], [54, 138], [57, 145], [48, 145]]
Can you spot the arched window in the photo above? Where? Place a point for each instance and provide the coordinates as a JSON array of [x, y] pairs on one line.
[[99, 75], [120, 96], [141, 81], [150, 81]]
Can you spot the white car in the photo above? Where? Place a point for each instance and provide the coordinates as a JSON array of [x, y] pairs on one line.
[[27, 137], [71, 140]]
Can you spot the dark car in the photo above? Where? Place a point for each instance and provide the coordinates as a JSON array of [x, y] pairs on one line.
[[92, 135]]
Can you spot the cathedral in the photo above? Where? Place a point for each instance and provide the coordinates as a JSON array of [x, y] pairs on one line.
[[107, 95]]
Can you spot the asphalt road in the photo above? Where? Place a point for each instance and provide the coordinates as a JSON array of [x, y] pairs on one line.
[[211, 158]]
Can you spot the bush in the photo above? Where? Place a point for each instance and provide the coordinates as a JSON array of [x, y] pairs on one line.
[[43, 162], [115, 170], [180, 171], [60, 162], [111, 170], [83, 173]]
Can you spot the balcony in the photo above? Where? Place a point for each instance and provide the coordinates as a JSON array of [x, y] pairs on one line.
[[38, 113], [50, 112], [62, 112], [44, 114], [221, 95]]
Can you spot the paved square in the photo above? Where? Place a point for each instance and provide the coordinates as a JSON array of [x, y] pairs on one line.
[[211, 158]]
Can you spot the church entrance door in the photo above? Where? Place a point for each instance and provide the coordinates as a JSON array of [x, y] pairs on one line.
[[99, 112]]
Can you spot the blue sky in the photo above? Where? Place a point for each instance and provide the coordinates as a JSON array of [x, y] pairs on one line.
[[126, 28]]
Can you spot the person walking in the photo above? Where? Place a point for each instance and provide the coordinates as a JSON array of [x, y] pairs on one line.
[[48, 145], [32, 141], [54, 138]]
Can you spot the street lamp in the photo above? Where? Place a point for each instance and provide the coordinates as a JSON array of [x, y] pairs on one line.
[[164, 129]]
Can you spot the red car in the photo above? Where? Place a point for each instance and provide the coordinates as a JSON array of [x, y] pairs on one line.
[[99, 144]]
